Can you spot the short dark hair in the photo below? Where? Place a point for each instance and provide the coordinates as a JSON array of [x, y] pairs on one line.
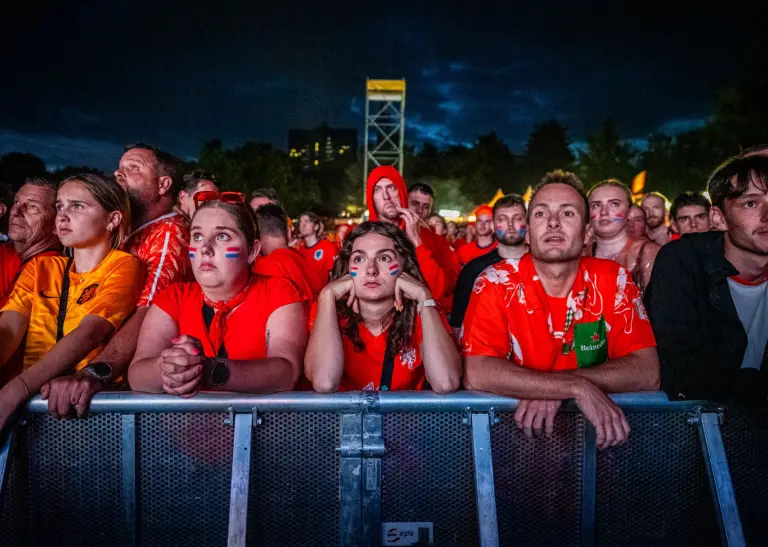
[[560, 176], [269, 193], [614, 183], [193, 178], [757, 149], [688, 198], [167, 164], [272, 220], [510, 200], [422, 187], [314, 219], [442, 220], [741, 170]]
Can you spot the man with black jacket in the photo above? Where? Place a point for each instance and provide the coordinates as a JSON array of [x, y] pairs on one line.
[[708, 296]]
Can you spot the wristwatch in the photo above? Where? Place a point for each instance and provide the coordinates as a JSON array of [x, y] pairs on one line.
[[219, 372], [431, 303], [100, 370]]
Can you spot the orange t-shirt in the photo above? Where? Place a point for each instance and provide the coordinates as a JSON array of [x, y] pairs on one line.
[[511, 317], [362, 370], [109, 291], [245, 334], [163, 246], [293, 266], [471, 251], [11, 266], [322, 255]]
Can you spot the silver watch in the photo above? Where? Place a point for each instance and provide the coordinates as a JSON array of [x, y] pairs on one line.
[[431, 303]]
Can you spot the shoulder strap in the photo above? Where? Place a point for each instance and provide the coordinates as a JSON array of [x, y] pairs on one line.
[[63, 299], [387, 368]]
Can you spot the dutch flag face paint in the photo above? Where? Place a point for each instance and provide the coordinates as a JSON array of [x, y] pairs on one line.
[[394, 269], [192, 252], [353, 271], [232, 252], [521, 232]]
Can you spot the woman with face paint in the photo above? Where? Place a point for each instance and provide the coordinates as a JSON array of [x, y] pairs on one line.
[[609, 205], [376, 319], [231, 330]]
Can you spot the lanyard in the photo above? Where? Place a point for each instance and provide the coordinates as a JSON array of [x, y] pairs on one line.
[[63, 302]]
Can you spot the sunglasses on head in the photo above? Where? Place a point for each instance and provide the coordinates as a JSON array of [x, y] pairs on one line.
[[236, 198]]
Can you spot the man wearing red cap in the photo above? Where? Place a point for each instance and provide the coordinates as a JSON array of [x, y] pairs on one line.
[[485, 241], [387, 198]]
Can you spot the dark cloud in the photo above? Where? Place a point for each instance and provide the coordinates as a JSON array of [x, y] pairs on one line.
[[81, 80]]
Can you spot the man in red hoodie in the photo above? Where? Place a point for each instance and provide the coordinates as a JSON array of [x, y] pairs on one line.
[[387, 199]]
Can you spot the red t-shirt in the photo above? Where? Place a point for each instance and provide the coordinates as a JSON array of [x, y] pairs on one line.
[[293, 266], [511, 317], [163, 246], [362, 370], [322, 255], [245, 333], [11, 266], [470, 251]]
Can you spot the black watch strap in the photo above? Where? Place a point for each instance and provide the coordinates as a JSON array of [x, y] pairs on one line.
[[101, 370], [219, 373]]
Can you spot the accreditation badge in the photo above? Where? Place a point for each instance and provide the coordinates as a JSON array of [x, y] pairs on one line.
[[590, 343]]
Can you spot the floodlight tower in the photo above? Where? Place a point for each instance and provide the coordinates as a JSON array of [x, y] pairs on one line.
[[384, 125]]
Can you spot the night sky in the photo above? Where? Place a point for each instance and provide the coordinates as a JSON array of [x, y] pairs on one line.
[[80, 80]]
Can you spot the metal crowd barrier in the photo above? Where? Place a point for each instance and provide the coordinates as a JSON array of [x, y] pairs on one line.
[[369, 469]]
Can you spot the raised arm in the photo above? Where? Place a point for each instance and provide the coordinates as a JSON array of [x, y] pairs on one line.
[[442, 363], [324, 360]]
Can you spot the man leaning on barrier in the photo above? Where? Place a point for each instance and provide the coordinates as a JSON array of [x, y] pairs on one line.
[[562, 326]]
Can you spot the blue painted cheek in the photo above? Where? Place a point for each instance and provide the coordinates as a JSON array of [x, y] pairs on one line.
[[499, 233], [521, 232]]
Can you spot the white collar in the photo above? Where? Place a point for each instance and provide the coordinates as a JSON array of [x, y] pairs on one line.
[[150, 223]]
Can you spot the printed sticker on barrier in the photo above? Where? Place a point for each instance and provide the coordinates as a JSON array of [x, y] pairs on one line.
[[406, 533]]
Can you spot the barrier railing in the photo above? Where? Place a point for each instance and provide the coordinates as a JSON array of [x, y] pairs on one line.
[[369, 469]]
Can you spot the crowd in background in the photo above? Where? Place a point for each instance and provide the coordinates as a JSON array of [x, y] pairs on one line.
[[163, 281]]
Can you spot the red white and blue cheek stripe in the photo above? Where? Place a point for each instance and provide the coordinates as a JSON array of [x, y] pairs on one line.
[[232, 252], [192, 251], [394, 269], [353, 271]]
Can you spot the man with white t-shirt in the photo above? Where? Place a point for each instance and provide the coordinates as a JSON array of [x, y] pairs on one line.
[[708, 296]]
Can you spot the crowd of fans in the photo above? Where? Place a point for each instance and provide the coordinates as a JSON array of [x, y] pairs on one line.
[[163, 282]]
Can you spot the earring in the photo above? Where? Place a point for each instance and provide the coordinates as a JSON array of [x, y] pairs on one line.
[[109, 228]]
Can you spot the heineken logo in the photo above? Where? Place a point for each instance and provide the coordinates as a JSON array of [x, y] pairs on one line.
[[593, 347], [595, 337]]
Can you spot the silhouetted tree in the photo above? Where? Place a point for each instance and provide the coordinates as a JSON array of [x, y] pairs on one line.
[[548, 148], [607, 156], [15, 167]]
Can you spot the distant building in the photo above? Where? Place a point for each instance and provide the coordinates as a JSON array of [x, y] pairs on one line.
[[322, 144]]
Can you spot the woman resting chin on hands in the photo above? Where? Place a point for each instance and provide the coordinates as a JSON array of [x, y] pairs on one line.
[[231, 330], [376, 326]]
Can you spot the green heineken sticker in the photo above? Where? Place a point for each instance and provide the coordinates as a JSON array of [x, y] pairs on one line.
[[590, 343]]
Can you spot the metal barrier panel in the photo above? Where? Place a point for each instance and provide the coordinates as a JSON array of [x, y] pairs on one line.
[[294, 488], [65, 483], [745, 435], [653, 490], [538, 482], [428, 474], [185, 463]]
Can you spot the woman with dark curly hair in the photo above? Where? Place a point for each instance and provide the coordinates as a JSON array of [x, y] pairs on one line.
[[376, 319]]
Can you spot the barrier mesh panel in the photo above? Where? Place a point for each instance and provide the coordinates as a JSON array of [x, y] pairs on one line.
[[185, 463], [428, 475], [14, 520], [538, 482], [294, 490], [75, 482], [653, 490], [746, 446]]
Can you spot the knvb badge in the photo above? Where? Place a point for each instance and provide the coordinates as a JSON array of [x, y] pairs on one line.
[[406, 533]]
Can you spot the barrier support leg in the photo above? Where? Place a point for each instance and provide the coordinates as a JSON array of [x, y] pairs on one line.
[[5, 462], [589, 486], [241, 474], [373, 450], [485, 491], [128, 462], [350, 480], [708, 424]]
